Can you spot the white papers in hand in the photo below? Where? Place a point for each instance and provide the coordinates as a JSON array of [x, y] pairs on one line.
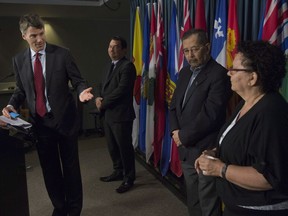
[[16, 122]]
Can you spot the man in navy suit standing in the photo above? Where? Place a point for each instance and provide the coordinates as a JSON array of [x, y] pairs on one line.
[[115, 102], [53, 112], [197, 112]]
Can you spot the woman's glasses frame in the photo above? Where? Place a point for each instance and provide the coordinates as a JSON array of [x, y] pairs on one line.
[[240, 69]]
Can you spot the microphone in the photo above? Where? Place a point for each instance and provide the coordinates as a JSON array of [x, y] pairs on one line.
[[7, 76]]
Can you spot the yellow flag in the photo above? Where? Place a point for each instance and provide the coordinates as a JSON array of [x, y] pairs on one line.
[[137, 44]]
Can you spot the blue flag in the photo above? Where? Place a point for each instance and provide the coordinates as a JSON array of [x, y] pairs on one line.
[[173, 49], [144, 82], [219, 36]]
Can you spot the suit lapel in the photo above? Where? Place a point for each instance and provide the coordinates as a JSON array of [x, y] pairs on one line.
[[107, 77], [186, 73], [198, 80], [27, 72], [27, 76], [49, 65], [115, 71]]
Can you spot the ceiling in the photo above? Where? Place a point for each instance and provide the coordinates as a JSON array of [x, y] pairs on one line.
[[59, 2], [84, 9]]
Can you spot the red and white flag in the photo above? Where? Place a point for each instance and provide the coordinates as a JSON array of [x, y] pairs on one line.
[[161, 74], [274, 26], [185, 26]]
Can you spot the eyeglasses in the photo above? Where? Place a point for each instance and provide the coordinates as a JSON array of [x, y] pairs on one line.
[[240, 69], [194, 50]]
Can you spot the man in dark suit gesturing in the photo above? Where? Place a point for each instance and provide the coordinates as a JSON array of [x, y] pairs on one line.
[[116, 103], [42, 74], [197, 111]]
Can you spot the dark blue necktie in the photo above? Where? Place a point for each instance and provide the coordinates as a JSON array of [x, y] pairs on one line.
[[110, 71]]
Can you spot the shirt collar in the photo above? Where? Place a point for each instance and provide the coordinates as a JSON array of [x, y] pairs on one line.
[[197, 69], [115, 62]]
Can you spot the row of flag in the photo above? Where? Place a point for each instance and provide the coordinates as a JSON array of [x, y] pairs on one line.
[[158, 66], [274, 28]]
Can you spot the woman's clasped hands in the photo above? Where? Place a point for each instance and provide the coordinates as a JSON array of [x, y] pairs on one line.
[[208, 164]]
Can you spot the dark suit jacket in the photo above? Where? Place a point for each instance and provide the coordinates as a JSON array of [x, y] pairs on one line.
[[117, 92], [204, 111], [60, 69]]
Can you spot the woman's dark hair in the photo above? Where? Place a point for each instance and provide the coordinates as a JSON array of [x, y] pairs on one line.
[[267, 60]]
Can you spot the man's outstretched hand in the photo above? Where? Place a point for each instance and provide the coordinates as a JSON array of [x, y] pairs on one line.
[[86, 95]]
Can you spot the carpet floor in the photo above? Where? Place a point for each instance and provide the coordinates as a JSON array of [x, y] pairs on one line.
[[148, 197]]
